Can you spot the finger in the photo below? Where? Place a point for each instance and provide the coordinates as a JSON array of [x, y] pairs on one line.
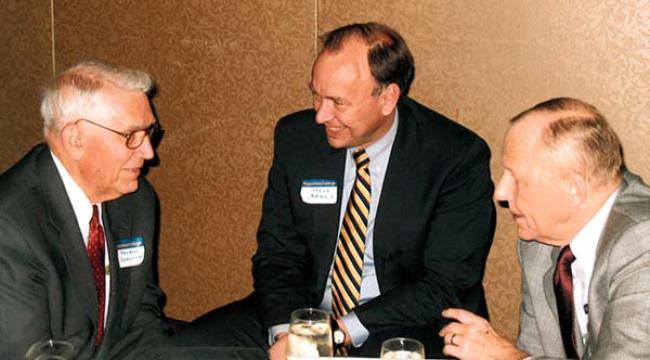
[[447, 338], [444, 330], [455, 328], [455, 339], [463, 316], [452, 338], [452, 351]]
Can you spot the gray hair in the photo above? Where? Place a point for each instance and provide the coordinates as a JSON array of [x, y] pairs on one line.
[[77, 89]]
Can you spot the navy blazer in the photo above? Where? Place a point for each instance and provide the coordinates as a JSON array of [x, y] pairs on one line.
[[433, 229]]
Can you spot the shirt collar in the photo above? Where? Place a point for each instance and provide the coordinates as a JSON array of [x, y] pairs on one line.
[[384, 143], [584, 244]]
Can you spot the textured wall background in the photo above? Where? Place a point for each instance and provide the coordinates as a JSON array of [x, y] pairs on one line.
[[227, 70], [25, 63]]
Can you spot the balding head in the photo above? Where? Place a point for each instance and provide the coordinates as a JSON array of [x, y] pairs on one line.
[[576, 136], [389, 58]]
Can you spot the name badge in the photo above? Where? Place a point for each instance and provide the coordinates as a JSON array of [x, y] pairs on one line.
[[130, 252], [318, 191]]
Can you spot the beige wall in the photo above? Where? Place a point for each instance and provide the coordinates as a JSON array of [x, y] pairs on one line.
[[25, 63], [228, 69]]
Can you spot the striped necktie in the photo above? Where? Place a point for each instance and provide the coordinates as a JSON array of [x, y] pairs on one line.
[[348, 264]]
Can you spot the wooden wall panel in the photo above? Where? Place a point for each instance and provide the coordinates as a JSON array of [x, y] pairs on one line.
[[483, 62], [26, 62]]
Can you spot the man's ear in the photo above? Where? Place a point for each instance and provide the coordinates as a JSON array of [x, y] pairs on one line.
[[577, 189], [72, 141], [389, 98]]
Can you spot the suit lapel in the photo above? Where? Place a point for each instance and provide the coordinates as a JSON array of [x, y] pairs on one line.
[[116, 220], [549, 290], [326, 217], [598, 287], [69, 240], [400, 179]]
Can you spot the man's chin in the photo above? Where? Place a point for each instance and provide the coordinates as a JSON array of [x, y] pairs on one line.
[[129, 188], [337, 144], [525, 235]]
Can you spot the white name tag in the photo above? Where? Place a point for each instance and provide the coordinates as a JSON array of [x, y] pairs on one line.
[[130, 252], [318, 191]]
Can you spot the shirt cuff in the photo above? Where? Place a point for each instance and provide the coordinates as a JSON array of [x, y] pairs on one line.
[[358, 333], [275, 330]]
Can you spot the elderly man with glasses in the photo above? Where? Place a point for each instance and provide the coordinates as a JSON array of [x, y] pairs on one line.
[[77, 222]]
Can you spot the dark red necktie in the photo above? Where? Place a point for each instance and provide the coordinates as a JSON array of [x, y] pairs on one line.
[[563, 284], [96, 256]]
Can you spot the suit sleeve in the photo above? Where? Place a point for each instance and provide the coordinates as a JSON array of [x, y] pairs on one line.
[[458, 236], [147, 334], [24, 315], [280, 261], [625, 327]]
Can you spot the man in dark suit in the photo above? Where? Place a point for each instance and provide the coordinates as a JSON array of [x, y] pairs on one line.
[[584, 221], [420, 213], [77, 223]]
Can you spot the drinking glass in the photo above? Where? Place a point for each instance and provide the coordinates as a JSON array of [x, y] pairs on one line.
[[50, 350], [402, 348], [310, 334]]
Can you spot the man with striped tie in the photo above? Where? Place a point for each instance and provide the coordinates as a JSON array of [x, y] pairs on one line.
[[378, 209]]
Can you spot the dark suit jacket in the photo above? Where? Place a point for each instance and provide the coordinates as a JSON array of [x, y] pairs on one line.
[[619, 292], [46, 285], [433, 227]]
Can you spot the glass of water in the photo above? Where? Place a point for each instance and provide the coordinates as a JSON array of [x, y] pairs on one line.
[[310, 334], [50, 350], [402, 348]]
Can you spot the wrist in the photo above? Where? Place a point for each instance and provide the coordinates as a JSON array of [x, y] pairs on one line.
[[338, 335]]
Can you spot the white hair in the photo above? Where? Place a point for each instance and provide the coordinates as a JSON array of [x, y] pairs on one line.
[[78, 89]]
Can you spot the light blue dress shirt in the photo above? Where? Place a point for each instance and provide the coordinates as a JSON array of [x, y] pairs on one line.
[[379, 154]]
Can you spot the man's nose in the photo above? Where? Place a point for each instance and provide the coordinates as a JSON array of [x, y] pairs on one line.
[[146, 149], [501, 193], [324, 112]]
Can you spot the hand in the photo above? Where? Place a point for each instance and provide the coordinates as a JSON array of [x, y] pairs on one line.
[[278, 351], [472, 337]]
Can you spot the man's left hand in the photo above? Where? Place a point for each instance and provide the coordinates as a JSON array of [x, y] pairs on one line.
[[472, 337]]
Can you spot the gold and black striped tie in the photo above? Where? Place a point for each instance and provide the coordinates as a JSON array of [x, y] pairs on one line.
[[348, 264]]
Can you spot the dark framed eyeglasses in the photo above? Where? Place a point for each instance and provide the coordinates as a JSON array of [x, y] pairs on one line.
[[134, 138]]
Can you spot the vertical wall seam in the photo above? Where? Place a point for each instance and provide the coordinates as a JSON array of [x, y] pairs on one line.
[[52, 38], [315, 28]]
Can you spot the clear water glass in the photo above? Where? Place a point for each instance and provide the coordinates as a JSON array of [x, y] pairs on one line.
[[402, 348], [50, 350], [310, 334]]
